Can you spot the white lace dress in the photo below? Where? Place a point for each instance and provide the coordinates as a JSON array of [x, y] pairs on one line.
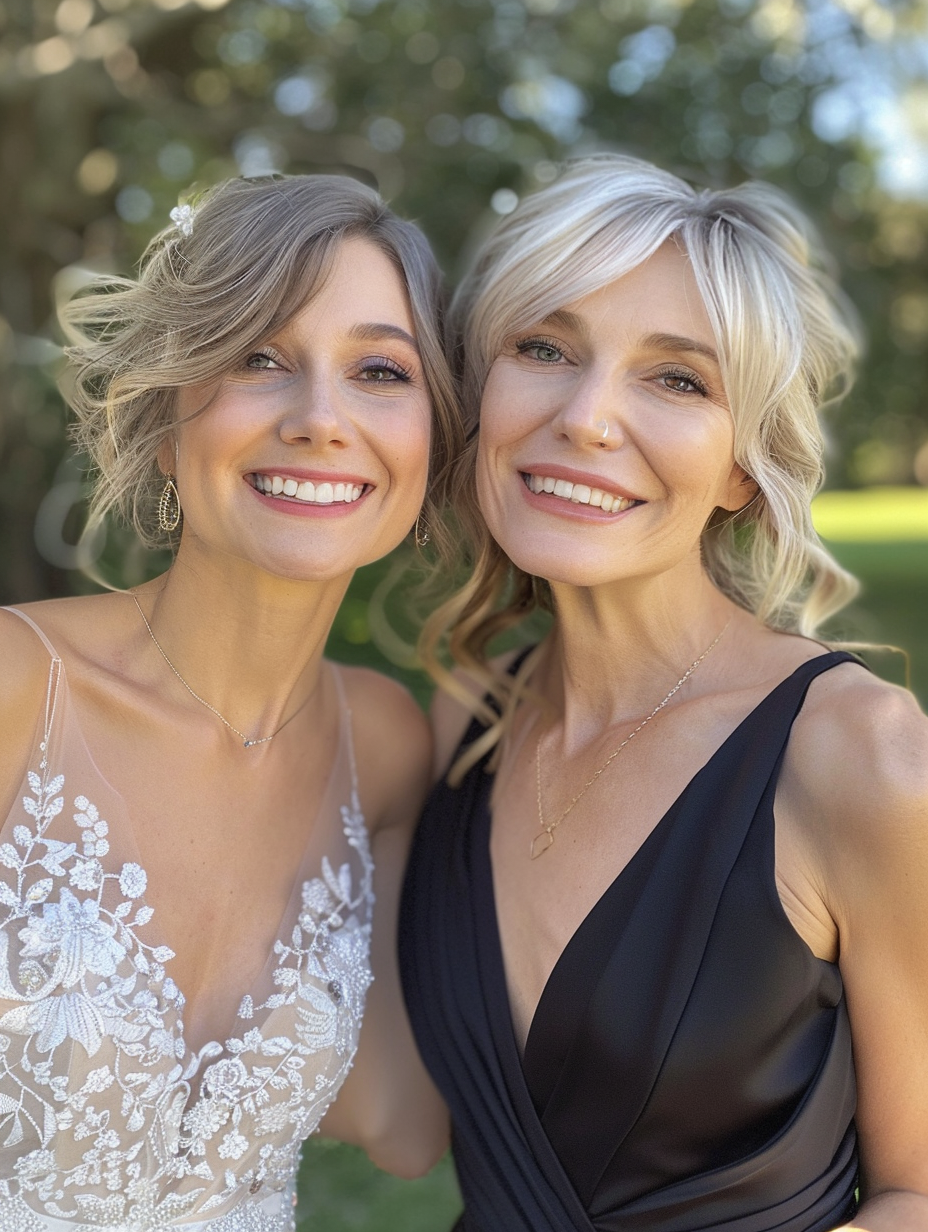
[[107, 1120]]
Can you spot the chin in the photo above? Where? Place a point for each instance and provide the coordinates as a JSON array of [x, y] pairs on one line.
[[560, 568]]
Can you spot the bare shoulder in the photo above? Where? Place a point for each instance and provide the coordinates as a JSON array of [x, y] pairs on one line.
[[24, 671], [858, 755], [25, 667], [393, 743]]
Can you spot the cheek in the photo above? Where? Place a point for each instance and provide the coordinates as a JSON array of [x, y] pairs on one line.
[[410, 439], [691, 453], [488, 482]]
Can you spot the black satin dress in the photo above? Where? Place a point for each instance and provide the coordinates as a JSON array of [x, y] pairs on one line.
[[689, 1064]]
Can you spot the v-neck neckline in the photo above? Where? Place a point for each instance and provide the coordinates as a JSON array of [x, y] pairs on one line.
[[493, 937], [214, 1046]]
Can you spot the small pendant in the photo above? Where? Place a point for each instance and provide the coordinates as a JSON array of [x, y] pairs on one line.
[[248, 743], [540, 843]]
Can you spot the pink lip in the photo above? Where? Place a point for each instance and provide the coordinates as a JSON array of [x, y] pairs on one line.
[[555, 471]]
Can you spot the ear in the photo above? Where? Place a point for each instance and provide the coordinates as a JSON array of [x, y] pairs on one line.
[[742, 489], [167, 456]]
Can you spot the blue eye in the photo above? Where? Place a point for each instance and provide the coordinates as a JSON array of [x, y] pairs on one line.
[[541, 350], [261, 361]]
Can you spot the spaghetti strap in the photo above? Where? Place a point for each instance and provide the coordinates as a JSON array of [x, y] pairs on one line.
[[35, 628], [347, 729], [54, 681]]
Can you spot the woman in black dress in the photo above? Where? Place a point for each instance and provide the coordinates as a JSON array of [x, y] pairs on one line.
[[648, 1006]]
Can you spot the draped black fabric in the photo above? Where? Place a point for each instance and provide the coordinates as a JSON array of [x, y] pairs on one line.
[[689, 1064]]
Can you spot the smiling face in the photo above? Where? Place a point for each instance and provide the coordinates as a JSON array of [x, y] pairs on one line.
[[605, 435], [311, 458]]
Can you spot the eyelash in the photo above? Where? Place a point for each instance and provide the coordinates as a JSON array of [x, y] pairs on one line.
[[681, 374], [374, 364], [548, 344], [268, 354], [381, 362]]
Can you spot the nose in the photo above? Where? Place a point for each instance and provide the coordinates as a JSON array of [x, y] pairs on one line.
[[314, 414], [591, 417]]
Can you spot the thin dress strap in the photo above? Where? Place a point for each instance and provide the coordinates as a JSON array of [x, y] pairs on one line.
[[35, 628], [54, 680], [347, 730]]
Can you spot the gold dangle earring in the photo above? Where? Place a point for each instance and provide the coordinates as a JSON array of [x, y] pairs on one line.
[[421, 532], [169, 510]]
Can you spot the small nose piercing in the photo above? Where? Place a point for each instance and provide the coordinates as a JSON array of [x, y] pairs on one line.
[[605, 427]]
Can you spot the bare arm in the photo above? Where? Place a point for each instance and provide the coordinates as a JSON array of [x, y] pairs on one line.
[[388, 1104], [858, 771]]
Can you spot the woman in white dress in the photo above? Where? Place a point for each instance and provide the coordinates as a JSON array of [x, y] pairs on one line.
[[194, 800]]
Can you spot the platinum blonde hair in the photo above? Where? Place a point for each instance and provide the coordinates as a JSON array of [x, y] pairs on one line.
[[258, 252], [787, 341]]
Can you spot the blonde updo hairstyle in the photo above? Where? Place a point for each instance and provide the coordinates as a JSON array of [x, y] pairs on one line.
[[259, 250], [787, 340]]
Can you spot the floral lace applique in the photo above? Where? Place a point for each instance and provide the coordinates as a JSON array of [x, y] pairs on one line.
[[97, 1102]]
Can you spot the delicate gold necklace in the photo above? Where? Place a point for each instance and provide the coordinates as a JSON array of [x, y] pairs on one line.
[[247, 742], [545, 836]]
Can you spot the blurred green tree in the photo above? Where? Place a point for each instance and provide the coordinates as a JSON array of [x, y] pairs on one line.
[[111, 108]]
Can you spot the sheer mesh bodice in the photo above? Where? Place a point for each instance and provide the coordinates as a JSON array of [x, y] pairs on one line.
[[107, 1119]]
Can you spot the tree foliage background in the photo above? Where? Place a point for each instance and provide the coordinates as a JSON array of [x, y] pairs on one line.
[[112, 109]]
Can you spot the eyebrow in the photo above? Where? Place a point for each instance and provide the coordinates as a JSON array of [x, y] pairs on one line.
[[679, 342], [376, 331], [566, 320], [653, 342]]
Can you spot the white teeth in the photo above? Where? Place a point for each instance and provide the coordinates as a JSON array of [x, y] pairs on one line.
[[578, 493], [311, 493]]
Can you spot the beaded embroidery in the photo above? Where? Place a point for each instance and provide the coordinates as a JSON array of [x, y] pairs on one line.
[[101, 1117]]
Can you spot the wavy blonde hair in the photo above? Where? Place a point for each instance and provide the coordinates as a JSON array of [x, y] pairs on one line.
[[259, 251], [787, 340]]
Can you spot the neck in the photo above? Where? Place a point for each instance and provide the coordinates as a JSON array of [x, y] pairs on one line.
[[619, 649], [247, 642]]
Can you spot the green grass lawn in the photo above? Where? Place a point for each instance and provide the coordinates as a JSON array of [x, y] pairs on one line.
[[339, 1189], [892, 608]]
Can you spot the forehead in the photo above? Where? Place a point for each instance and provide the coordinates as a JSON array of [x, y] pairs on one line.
[[660, 295], [361, 278]]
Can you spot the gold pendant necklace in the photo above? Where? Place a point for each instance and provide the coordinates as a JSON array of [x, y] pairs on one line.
[[247, 742], [545, 836]]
